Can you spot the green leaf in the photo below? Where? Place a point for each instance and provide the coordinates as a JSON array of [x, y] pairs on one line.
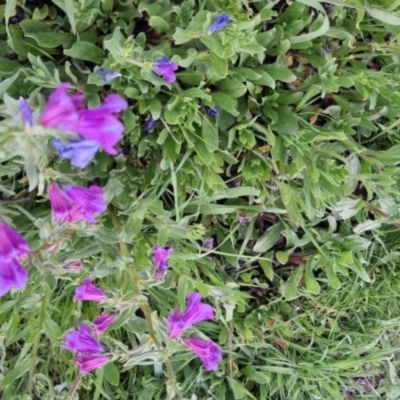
[[111, 373], [52, 330], [220, 65], [225, 102], [239, 391], [18, 370], [26, 46], [333, 280], [267, 266], [196, 92], [182, 36], [265, 80], [86, 51], [69, 9], [317, 33], [159, 24], [243, 74], [232, 88], [115, 45], [311, 284], [49, 40], [184, 286], [269, 238], [287, 122], [387, 18], [293, 282], [279, 72], [8, 13], [210, 135]]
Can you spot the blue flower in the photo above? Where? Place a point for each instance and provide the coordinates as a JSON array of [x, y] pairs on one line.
[[150, 124], [108, 76], [219, 23], [166, 69], [25, 111], [213, 112], [79, 151]]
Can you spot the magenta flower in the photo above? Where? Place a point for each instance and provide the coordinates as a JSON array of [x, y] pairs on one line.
[[75, 203], [208, 352], [26, 111], [101, 125], [68, 113], [12, 244], [102, 322], [166, 69], [89, 363], [11, 274], [82, 341], [194, 313], [61, 110], [161, 257], [12, 247], [89, 292]]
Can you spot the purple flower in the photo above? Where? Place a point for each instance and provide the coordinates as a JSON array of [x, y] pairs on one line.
[[213, 112], [102, 322], [89, 292], [68, 113], [12, 247], [75, 203], [244, 219], [161, 257], [219, 23], [166, 69], [12, 244], [89, 363], [79, 151], [82, 341], [150, 124], [194, 313], [25, 111], [208, 352], [11, 274], [61, 110], [108, 76], [101, 125]]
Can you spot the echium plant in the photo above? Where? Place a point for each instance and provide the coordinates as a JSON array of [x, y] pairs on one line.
[[77, 133]]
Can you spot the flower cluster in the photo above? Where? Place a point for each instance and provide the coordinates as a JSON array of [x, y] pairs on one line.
[[89, 351], [12, 247], [97, 127], [75, 203], [208, 352]]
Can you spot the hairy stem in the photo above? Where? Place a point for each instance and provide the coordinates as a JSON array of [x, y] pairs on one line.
[[147, 313], [42, 315], [74, 386]]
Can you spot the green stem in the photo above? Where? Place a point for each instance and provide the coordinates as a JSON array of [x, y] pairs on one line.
[[42, 315], [74, 386], [147, 312]]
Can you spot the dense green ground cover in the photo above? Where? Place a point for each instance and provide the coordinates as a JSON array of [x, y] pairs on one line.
[[283, 210]]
